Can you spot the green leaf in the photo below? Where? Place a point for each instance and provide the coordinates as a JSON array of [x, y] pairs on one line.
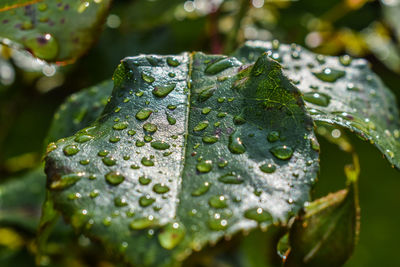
[[21, 198], [339, 90], [152, 189], [328, 231], [10, 4], [79, 110], [54, 30]]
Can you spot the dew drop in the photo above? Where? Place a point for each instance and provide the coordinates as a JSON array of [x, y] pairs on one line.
[[204, 166], [143, 114], [163, 91], [219, 66], [268, 168], [218, 202], [171, 235], [146, 201], [114, 178], [160, 188], [120, 126], [282, 152], [202, 189], [319, 99], [201, 126], [147, 78], [235, 144], [258, 214], [160, 145], [70, 150], [230, 178], [329, 75]]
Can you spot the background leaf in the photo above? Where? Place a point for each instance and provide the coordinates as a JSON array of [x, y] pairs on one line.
[[339, 90], [173, 175], [53, 30]]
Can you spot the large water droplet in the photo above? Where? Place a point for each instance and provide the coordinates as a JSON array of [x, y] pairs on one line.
[[282, 152], [160, 145], [173, 62], [219, 66], [150, 127], [201, 126], [144, 181], [231, 178], [206, 93], [147, 78], [114, 178], [163, 91], [202, 189], [120, 125], [268, 168], [218, 202], [210, 139], [146, 201], [147, 162], [142, 223], [273, 136], [171, 235], [66, 181], [258, 214], [319, 99], [235, 144], [109, 161], [329, 75], [160, 188], [70, 150], [143, 114], [204, 166], [82, 138], [120, 201]]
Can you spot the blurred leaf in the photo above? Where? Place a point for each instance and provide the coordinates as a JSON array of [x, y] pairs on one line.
[[54, 30], [327, 233], [144, 172], [21, 198], [79, 110], [341, 91], [9, 4]]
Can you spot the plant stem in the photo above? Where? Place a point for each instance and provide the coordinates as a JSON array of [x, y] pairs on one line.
[[231, 40]]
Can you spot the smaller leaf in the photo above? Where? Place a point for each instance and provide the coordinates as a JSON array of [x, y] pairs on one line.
[[326, 234]]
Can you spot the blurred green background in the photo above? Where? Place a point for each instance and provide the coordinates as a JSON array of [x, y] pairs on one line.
[[31, 91]]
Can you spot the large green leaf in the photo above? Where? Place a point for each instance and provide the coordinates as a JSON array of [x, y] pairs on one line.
[[79, 110], [339, 90], [54, 30], [189, 149]]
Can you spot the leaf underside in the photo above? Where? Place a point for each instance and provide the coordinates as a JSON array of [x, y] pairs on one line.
[[189, 149], [340, 91], [53, 30]]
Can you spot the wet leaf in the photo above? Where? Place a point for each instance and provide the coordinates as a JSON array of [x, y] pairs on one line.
[[10, 4], [341, 91], [328, 231], [53, 30], [170, 189]]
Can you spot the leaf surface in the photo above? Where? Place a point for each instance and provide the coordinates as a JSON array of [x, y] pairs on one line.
[[340, 91], [190, 148], [54, 30]]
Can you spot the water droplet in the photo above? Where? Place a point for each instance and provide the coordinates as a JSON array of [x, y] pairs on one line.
[[66, 181], [345, 60], [319, 99], [171, 235], [210, 139], [329, 75], [147, 78], [144, 181], [221, 99], [204, 166], [139, 143], [219, 66], [202, 189], [150, 127], [160, 188], [160, 145], [206, 110], [147, 162], [114, 178], [231, 178], [171, 120], [114, 139], [235, 144], [314, 144], [43, 46], [146, 201], [201, 126], [163, 91], [142, 223], [218, 202], [82, 138], [206, 93], [95, 193], [131, 132], [282, 152], [84, 162], [70, 150], [222, 163], [120, 125], [268, 168], [107, 221], [216, 223], [273, 136], [143, 114], [173, 62], [171, 107], [120, 201], [258, 214], [109, 161]]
